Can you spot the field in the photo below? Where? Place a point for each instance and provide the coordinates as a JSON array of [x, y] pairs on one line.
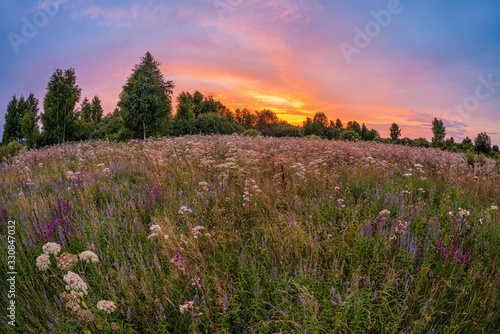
[[231, 234]]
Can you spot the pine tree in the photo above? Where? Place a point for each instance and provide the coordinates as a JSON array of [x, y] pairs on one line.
[[29, 122], [11, 128], [97, 111]]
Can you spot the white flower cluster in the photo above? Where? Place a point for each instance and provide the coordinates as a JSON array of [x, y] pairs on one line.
[[250, 186], [203, 186], [384, 213], [155, 231], [401, 228], [340, 203], [51, 248], [106, 306], [184, 210], [43, 262], [195, 231], [463, 213], [189, 306], [75, 283], [88, 256]]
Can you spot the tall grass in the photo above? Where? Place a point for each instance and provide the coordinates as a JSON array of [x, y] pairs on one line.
[[262, 235]]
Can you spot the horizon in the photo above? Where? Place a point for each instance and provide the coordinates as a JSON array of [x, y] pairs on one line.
[[376, 62]]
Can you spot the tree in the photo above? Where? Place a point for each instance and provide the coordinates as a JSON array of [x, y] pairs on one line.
[[467, 144], [146, 99], [365, 134], [321, 118], [12, 126], [184, 112], [96, 110], [245, 118], [482, 143], [29, 122], [265, 118], [354, 126], [395, 132], [86, 111], [439, 131], [59, 115], [338, 124]]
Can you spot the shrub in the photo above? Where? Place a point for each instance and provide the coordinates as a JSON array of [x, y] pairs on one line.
[[251, 133], [350, 135], [313, 137]]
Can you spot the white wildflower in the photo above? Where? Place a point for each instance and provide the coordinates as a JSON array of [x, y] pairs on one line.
[[494, 207], [155, 228], [75, 283], [384, 213], [88, 256], [184, 210], [106, 306], [51, 248], [43, 262]]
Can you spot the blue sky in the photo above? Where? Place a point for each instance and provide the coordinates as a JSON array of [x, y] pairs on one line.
[[424, 59]]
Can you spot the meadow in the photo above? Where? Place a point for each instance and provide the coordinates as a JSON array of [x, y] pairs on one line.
[[233, 234]]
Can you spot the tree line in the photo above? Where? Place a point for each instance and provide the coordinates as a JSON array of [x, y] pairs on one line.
[[145, 110]]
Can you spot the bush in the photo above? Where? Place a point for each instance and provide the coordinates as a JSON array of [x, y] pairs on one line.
[[313, 137], [350, 135], [251, 133], [212, 123], [11, 149], [421, 142], [288, 130]]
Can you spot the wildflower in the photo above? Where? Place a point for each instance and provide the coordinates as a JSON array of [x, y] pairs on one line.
[[203, 186], [75, 283], [165, 236], [66, 260], [43, 262], [114, 326], [494, 207], [393, 237], [189, 306], [86, 315], [450, 213], [196, 282], [152, 235], [423, 178], [407, 174], [337, 188], [340, 202], [184, 210], [463, 213], [418, 166], [384, 213], [51, 248], [155, 228], [88, 256], [106, 306]]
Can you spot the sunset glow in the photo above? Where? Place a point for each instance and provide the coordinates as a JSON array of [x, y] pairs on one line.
[[376, 62]]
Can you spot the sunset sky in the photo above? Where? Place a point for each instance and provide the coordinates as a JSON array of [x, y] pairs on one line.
[[376, 62]]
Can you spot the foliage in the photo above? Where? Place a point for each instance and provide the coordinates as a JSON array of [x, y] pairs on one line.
[[438, 131], [59, 115], [213, 123], [11, 149], [482, 143], [146, 99], [251, 133], [395, 132], [350, 135]]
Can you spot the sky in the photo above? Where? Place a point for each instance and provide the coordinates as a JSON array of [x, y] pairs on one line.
[[376, 62]]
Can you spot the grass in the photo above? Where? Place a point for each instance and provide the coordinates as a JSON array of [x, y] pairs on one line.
[[291, 237]]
